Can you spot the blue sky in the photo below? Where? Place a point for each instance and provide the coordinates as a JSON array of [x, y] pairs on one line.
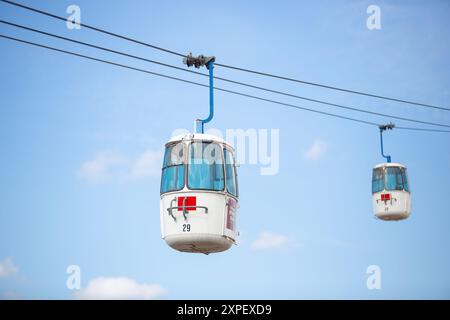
[[80, 143]]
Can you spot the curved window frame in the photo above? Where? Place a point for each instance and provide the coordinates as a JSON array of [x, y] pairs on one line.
[[405, 178], [233, 165], [183, 163], [220, 147]]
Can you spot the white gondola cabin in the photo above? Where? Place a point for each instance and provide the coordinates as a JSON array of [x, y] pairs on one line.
[[391, 196], [199, 194]]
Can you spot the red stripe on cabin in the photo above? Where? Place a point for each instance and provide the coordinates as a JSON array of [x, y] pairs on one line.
[[385, 196], [190, 201]]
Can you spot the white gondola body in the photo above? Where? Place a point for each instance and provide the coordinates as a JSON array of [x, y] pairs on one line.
[[199, 221], [388, 203]]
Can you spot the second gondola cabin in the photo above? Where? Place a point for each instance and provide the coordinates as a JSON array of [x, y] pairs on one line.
[[391, 196], [199, 194]]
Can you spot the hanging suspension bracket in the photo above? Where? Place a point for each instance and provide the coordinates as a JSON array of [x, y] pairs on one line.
[[200, 61], [388, 126], [208, 62], [384, 127]]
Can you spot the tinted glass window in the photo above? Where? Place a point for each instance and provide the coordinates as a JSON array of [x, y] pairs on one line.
[[396, 179], [230, 171], [405, 180], [205, 167], [377, 180], [172, 178]]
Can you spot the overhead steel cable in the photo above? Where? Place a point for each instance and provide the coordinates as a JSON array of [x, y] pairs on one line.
[[179, 79], [99, 47], [100, 60], [207, 86], [220, 78], [92, 28], [228, 66], [333, 87], [421, 129]]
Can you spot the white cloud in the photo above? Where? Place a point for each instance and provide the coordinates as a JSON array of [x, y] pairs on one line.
[[317, 150], [268, 240], [100, 168], [147, 164], [120, 288], [107, 166], [7, 268]]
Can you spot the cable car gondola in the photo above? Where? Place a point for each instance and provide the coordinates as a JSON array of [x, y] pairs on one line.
[[391, 196], [199, 192]]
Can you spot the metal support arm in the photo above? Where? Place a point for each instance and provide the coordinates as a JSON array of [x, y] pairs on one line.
[[389, 126], [208, 62]]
